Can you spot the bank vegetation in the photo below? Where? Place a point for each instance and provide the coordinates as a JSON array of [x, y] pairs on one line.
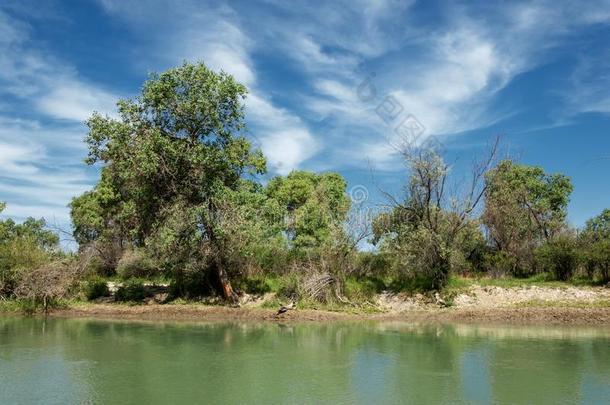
[[183, 206]]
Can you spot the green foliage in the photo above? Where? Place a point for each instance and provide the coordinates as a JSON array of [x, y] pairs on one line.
[[428, 234], [23, 247], [136, 263], [374, 264], [363, 288], [596, 258], [598, 228], [413, 283], [254, 285], [524, 207], [559, 257], [33, 229], [500, 263], [131, 290], [288, 287], [95, 287], [315, 205], [166, 163]]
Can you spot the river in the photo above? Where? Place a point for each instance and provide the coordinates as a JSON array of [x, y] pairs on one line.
[[73, 361]]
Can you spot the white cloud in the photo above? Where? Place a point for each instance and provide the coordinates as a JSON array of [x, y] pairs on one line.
[[52, 86], [284, 139], [216, 37], [74, 100], [34, 175], [17, 159], [287, 149], [41, 167]]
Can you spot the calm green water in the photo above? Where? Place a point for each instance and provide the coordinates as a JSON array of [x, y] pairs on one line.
[[82, 361]]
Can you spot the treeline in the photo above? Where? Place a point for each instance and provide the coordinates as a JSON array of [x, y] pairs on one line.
[[179, 199]]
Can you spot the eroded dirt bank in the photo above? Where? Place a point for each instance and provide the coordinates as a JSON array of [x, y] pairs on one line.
[[521, 305]]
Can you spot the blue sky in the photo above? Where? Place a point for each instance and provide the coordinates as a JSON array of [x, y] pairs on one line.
[[537, 73]]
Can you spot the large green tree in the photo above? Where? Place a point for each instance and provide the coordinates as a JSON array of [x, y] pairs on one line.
[[524, 207], [167, 162], [316, 206]]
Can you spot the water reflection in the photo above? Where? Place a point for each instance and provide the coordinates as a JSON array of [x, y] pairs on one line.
[[76, 361]]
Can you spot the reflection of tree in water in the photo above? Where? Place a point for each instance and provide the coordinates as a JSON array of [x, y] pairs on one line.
[[267, 363]]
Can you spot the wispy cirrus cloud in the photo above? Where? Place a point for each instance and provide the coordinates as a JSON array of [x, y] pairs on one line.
[[41, 125], [303, 64], [51, 86], [35, 171], [213, 34]]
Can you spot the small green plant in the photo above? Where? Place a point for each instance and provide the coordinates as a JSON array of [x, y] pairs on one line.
[[416, 283], [363, 288], [288, 286], [95, 287], [132, 290], [254, 285]]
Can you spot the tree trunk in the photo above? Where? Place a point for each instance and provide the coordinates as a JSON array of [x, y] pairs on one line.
[[223, 278], [225, 284]]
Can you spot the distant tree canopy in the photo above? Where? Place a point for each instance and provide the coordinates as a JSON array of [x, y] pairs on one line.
[[595, 245]]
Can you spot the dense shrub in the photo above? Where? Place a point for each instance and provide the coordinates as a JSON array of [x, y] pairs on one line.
[[597, 259], [374, 264], [289, 286], [46, 285], [17, 255], [363, 289], [559, 257], [131, 290], [95, 287], [136, 263], [500, 264], [253, 285]]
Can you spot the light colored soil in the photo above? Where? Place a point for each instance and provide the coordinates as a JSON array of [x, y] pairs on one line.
[[497, 297], [521, 305]]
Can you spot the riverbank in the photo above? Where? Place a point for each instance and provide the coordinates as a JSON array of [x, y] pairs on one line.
[[475, 304], [170, 312]]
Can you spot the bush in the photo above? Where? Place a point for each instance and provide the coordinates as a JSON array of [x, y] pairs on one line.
[[289, 286], [414, 283], [95, 287], [46, 285], [363, 288], [499, 264], [374, 264], [131, 290], [597, 257], [559, 257], [135, 263], [16, 255], [253, 285]]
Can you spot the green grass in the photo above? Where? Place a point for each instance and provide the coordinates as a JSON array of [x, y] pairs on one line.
[[23, 306], [8, 306], [539, 280]]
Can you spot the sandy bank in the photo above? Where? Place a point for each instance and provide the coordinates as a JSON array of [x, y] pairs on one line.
[[477, 304]]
